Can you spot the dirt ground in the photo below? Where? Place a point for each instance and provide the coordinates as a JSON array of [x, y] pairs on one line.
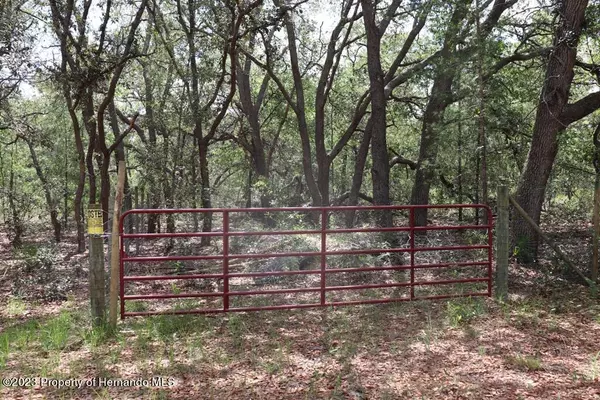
[[544, 343]]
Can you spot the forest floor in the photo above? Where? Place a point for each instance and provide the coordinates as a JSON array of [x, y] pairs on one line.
[[543, 343]]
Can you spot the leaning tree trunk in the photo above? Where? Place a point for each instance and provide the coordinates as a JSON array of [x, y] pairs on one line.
[[544, 143]]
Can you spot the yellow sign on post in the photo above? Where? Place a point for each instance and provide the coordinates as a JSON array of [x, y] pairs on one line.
[[94, 216]]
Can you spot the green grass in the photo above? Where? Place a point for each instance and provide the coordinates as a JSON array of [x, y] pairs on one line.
[[136, 306], [462, 311], [527, 363], [4, 350], [16, 338], [64, 332], [428, 335], [55, 334], [97, 336]]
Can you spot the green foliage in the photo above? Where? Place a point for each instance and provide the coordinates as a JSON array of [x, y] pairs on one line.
[[36, 257], [462, 311], [522, 250]]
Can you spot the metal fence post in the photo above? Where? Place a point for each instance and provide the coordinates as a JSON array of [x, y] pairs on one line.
[[122, 267], [225, 260], [502, 246], [412, 252], [323, 250]]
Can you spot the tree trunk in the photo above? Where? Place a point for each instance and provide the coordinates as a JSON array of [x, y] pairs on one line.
[[426, 164], [205, 195], [137, 218], [459, 172], [105, 191], [50, 201], [482, 139], [90, 126], [248, 191], [169, 183], [17, 224], [380, 170], [154, 167], [251, 109], [300, 109], [544, 144], [357, 177], [77, 201], [65, 191], [439, 100], [194, 186]]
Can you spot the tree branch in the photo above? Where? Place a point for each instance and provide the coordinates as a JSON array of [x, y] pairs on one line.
[[123, 135], [580, 109], [398, 159]]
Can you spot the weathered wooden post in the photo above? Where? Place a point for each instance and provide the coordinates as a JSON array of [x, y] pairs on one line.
[[96, 269], [502, 245], [596, 220], [115, 255], [596, 215]]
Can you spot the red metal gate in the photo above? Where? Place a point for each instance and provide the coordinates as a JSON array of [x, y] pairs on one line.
[[230, 280]]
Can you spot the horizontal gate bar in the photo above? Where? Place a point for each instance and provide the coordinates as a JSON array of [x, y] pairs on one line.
[[299, 209], [300, 232], [170, 258], [301, 254], [301, 306], [303, 272], [304, 290]]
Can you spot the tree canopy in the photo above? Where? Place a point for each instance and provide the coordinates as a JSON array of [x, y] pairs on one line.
[[287, 103]]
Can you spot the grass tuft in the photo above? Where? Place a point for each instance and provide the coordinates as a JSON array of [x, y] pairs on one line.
[[15, 307], [462, 311], [55, 333], [526, 363]]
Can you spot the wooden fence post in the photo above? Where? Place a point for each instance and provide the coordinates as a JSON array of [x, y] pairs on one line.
[[96, 260], [596, 215], [596, 220], [115, 254], [502, 245]]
